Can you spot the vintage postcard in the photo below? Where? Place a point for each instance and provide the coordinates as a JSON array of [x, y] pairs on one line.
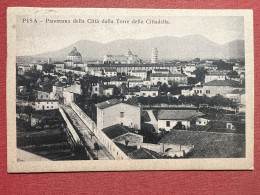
[[129, 89]]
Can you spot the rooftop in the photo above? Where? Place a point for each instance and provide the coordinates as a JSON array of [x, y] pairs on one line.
[[215, 74], [161, 70], [115, 131], [112, 102], [144, 71], [229, 83], [238, 91], [177, 75], [74, 52], [152, 88], [209, 144], [130, 65], [108, 86], [141, 153], [178, 114], [159, 75]]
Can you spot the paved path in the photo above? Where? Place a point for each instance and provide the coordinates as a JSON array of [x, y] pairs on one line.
[[153, 121], [85, 133]]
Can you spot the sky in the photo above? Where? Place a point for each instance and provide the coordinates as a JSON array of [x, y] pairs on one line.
[[40, 37]]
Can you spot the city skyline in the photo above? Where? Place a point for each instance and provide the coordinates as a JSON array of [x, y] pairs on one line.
[[33, 39]]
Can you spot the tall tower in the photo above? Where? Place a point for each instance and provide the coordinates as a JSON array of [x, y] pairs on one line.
[[154, 58]]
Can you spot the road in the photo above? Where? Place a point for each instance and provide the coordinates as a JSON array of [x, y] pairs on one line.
[[86, 133]]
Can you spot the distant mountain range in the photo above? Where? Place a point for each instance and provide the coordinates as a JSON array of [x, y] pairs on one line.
[[183, 48]]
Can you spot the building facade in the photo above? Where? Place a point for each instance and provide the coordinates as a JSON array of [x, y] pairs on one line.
[[115, 111]]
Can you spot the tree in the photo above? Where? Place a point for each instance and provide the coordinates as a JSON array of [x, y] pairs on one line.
[[200, 74], [116, 91], [164, 88], [174, 89], [179, 126], [233, 74], [196, 60]]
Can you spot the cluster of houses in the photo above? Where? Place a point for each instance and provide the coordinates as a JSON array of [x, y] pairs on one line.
[[145, 79], [119, 122]]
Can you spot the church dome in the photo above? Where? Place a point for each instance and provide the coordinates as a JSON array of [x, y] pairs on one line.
[[74, 52], [128, 53]]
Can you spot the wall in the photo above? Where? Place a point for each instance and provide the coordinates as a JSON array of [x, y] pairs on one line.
[[68, 97], [107, 142], [153, 147], [176, 147], [155, 80], [111, 116], [149, 93], [70, 127], [162, 124], [41, 95], [46, 105], [83, 116], [209, 78], [214, 90]]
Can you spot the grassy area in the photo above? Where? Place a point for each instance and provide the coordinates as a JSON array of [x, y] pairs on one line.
[[51, 141]]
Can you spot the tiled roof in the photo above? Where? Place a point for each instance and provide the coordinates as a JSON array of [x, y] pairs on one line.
[[229, 83], [134, 90], [177, 75], [161, 70], [111, 102], [178, 114], [159, 75], [152, 88], [108, 103], [238, 91], [115, 131], [215, 73], [139, 71], [199, 127], [141, 154], [125, 149], [74, 52], [208, 144], [108, 86]]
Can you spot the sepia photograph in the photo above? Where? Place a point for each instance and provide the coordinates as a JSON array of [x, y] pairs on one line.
[[129, 89]]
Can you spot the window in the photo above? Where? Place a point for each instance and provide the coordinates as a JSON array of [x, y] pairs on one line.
[[121, 114], [207, 91], [95, 89], [46, 96], [168, 123], [229, 126], [154, 94], [41, 96]]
